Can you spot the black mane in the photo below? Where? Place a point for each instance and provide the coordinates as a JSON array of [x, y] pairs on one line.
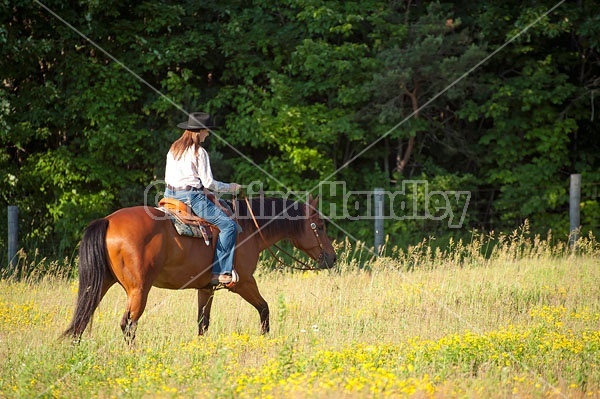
[[273, 215]]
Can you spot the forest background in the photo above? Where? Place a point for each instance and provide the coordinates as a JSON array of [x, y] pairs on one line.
[[496, 98]]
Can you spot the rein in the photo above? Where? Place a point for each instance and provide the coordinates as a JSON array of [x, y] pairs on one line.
[[313, 226]]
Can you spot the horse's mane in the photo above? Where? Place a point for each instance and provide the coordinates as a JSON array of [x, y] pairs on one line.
[[273, 215]]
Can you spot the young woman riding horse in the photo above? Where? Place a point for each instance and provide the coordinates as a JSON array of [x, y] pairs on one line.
[[187, 174], [139, 247]]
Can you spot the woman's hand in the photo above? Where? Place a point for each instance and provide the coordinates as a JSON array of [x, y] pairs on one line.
[[234, 187]]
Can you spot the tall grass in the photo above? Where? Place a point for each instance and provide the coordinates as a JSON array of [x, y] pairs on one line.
[[499, 316]]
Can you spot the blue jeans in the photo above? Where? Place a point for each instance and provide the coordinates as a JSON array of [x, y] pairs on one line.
[[206, 209]]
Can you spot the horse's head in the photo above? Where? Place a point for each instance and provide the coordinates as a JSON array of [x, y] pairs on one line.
[[313, 239]]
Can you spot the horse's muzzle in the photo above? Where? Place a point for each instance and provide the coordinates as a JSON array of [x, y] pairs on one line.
[[327, 260]]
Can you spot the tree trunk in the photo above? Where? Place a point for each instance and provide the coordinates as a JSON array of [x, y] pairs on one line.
[[402, 159]]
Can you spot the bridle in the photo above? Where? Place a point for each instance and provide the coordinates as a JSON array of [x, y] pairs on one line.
[[313, 227]]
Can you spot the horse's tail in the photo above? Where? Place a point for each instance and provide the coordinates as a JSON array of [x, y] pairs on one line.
[[93, 262]]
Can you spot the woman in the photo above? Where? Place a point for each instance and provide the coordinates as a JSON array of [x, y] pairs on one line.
[[187, 174]]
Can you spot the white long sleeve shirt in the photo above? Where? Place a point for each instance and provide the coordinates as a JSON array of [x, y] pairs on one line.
[[192, 170]]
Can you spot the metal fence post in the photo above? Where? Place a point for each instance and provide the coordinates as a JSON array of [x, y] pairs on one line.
[[379, 216], [13, 234], [574, 201]]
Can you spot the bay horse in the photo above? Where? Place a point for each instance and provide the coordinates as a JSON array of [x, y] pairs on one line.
[[138, 247]]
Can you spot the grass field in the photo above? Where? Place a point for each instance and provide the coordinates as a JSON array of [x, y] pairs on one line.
[[522, 321]]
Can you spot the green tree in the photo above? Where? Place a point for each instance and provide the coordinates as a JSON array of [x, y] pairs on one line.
[[533, 112], [81, 134], [421, 82], [301, 90]]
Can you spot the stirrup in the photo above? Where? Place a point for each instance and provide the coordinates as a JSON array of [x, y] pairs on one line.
[[218, 282]]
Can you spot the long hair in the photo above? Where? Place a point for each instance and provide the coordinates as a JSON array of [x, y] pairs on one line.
[[187, 140]]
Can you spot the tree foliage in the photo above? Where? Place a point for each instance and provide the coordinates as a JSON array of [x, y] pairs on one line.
[[371, 93]]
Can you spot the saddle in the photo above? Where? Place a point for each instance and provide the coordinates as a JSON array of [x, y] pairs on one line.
[[186, 222]]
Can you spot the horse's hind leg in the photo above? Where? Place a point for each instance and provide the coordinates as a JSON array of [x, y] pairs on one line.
[[205, 298], [136, 303], [109, 281]]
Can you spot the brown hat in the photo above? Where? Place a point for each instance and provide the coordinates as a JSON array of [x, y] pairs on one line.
[[196, 121]]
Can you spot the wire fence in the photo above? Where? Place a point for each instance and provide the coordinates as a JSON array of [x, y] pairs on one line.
[[484, 215]]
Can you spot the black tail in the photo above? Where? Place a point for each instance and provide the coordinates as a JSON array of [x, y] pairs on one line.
[[93, 261]]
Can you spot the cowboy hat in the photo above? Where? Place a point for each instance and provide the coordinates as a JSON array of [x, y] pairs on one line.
[[196, 121]]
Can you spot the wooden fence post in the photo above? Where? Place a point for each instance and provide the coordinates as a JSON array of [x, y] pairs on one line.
[[13, 234], [574, 201], [379, 216]]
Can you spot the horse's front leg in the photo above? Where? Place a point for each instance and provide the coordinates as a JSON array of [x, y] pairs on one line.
[[249, 291], [205, 298]]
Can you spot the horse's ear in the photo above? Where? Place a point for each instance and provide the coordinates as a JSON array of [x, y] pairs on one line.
[[313, 203]]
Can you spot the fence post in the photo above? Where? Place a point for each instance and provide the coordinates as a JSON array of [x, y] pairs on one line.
[[574, 201], [13, 234], [379, 233]]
